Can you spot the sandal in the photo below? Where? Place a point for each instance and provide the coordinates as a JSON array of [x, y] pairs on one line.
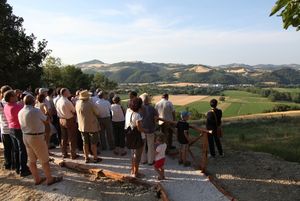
[[41, 181], [97, 160], [55, 180]]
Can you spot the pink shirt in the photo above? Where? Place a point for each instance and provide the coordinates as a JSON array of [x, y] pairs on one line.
[[11, 111]]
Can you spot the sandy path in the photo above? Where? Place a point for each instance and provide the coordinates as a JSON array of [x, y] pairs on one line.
[[75, 186], [180, 99], [182, 183]]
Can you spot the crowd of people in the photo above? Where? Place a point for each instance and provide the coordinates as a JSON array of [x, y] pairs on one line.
[[92, 121]]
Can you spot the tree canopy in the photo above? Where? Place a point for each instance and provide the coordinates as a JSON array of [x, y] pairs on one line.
[[21, 55], [290, 12], [55, 74]]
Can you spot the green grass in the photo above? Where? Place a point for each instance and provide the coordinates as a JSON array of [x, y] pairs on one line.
[[291, 90], [280, 137], [237, 103]]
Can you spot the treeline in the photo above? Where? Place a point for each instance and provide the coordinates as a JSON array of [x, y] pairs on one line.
[[154, 89], [274, 95], [282, 108], [55, 74]]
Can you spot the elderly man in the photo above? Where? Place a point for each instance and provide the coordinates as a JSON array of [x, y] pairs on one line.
[[32, 124], [11, 110], [66, 113], [166, 111], [104, 109], [149, 115], [87, 114]]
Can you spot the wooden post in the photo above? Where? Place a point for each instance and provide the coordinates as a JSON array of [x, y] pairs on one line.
[[204, 161]]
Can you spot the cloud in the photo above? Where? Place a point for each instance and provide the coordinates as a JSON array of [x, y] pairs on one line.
[[136, 9], [79, 38]]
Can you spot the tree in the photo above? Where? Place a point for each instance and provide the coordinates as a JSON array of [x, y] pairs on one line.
[[51, 72], [290, 12], [73, 78], [21, 56], [102, 82]]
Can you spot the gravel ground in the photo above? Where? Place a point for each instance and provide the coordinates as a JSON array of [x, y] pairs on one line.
[[75, 186], [182, 183], [256, 176]]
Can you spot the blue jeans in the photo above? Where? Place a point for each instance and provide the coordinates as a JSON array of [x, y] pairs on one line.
[[19, 150]]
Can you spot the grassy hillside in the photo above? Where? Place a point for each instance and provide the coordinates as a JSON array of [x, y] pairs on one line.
[[280, 137]]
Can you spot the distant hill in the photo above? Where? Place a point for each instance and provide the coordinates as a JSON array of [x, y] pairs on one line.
[[142, 72]]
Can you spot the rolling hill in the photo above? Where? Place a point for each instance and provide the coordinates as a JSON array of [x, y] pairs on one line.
[[142, 72]]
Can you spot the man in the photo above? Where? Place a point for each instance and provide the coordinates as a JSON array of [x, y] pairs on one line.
[[44, 91], [104, 108], [166, 111], [213, 121], [32, 124], [87, 114], [5, 131], [66, 113], [11, 110]]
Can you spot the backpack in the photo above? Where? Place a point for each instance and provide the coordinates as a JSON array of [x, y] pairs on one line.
[[133, 137]]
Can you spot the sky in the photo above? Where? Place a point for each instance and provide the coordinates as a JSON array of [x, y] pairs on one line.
[[170, 31]]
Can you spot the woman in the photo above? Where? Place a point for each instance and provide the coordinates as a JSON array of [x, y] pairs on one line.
[[118, 122], [134, 120], [40, 104]]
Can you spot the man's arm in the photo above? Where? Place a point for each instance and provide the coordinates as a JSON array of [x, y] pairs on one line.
[[167, 121]]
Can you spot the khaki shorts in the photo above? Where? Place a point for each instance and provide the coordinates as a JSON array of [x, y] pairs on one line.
[[89, 137], [36, 148]]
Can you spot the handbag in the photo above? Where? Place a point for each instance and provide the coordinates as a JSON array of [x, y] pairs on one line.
[[133, 137], [220, 132]]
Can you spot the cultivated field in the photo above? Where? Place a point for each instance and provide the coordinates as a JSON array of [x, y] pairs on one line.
[[180, 100], [236, 103]]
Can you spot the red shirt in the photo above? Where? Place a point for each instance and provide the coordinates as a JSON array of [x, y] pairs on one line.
[[11, 111]]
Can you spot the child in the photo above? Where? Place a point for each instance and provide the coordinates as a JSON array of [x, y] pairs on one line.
[[183, 138], [160, 154]]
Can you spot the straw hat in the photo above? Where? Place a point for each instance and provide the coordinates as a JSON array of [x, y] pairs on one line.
[[84, 95]]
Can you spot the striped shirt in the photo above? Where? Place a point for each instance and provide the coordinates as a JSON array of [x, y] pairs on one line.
[[3, 120]]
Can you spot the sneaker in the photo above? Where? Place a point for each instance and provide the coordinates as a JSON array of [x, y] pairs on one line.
[[25, 174]]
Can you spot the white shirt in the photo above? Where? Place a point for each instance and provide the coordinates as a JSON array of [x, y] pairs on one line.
[[31, 120], [103, 107], [65, 108], [132, 121], [3, 121], [161, 149], [95, 99], [55, 99], [165, 110], [117, 113]]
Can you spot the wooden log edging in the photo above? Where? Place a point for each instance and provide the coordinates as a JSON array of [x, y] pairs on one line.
[[161, 192]]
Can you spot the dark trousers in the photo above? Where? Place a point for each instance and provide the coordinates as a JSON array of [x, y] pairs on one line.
[[8, 151], [106, 133], [212, 139], [56, 124], [20, 153], [119, 134], [167, 130]]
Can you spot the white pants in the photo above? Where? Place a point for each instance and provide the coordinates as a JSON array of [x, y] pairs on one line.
[[149, 155]]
